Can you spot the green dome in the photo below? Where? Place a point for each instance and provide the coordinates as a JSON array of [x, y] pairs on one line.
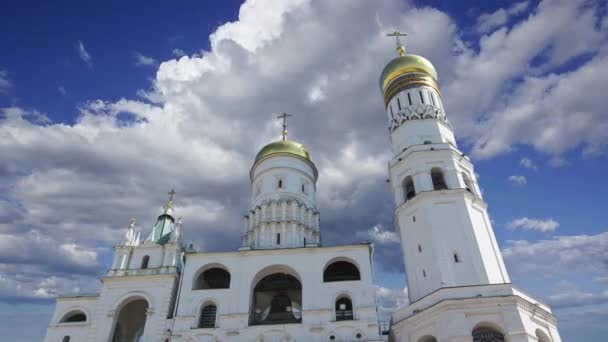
[[284, 146], [406, 64]]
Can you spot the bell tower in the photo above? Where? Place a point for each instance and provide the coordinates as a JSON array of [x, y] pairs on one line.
[[458, 286], [447, 238]]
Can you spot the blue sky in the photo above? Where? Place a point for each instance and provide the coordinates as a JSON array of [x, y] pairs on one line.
[[106, 106]]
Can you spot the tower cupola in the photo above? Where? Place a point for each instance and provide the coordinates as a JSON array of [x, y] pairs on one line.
[[283, 210], [411, 95]]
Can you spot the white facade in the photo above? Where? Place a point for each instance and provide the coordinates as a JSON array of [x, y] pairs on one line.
[[281, 285], [458, 285]]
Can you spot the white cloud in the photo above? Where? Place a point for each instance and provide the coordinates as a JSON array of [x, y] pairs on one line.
[[525, 223], [382, 236], [62, 91], [212, 112], [389, 300], [523, 102], [559, 255], [144, 60], [5, 84], [519, 180], [527, 163], [178, 52], [490, 21], [84, 55]]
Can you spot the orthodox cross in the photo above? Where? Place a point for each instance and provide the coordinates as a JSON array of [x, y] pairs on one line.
[[171, 193], [400, 48], [284, 116]]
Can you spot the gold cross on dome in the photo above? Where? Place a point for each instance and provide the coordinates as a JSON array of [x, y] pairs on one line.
[[284, 116], [400, 47], [170, 202]]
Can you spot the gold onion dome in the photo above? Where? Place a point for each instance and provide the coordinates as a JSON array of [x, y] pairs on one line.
[[405, 64], [283, 146]]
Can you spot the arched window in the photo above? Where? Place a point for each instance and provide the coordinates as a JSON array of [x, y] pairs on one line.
[[484, 334], [213, 278], [207, 318], [408, 188], [467, 183], [344, 309], [144, 262], [341, 271], [541, 336], [280, 184], [66, 339], [277, 299], [438, 179], [74, 316]]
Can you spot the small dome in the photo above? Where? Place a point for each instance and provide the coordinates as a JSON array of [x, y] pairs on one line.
[[406, 64], [284, 146]]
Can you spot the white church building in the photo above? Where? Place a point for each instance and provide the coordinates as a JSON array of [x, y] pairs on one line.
[[284, 285]]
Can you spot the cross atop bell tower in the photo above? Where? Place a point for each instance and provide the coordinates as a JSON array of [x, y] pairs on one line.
[[400, 47]]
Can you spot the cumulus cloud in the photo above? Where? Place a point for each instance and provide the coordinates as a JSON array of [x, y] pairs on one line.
[[519, 180], [144, 60], [527, 163], [389, 300], [524, 102], [84, 55], [206, 116], [490, 21], [380, 235], [5, 84], [581, 253], [178, 52], [525, 223]]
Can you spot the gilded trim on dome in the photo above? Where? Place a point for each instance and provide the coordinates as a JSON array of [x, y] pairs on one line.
[[403, 65], [284, 147], [408, 81]]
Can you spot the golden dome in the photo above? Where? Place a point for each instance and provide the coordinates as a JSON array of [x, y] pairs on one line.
[[406, 64], [283, 146]]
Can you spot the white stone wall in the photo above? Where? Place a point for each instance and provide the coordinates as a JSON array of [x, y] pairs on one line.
[[77, 331], [451, 314], [283, 206], [318, 298], [294, 172]]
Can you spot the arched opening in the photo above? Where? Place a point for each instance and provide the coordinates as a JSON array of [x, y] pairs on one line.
[[541, 336], [66, 339], [408, 188], [213, 278], [277, 299], [74, 316], [467, 183], [207, 317], [427, 339], [344, 309], [131, 321], [486, 334], [341, 271], [438, 179], [144, 262]]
